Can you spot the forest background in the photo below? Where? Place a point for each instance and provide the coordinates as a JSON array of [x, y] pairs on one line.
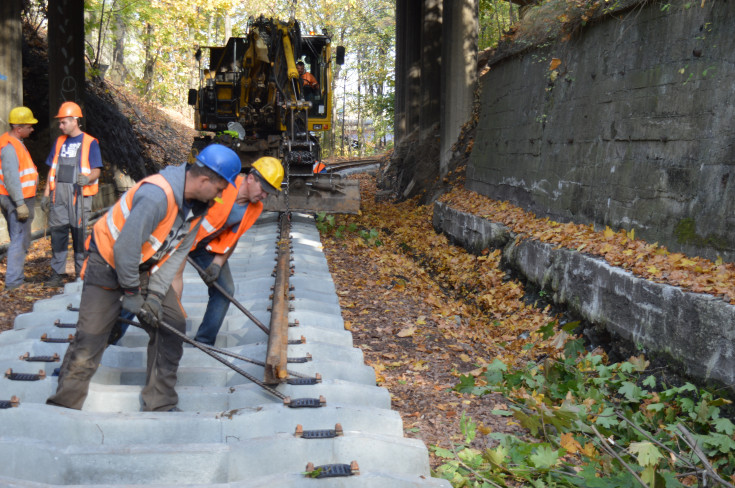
[[149, 46]]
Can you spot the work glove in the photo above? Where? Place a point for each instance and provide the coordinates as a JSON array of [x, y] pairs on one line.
[[132, 301], [151, 312], [82, 179], [46, 204], [210, 275], [22, 211]]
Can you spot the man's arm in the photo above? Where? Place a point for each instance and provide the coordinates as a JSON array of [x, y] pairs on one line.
[[161, 280], [11, 175]]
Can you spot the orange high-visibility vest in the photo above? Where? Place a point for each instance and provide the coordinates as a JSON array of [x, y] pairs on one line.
[[228, 239], [26, 169], [87, 190], [217, 217], [107, 230]]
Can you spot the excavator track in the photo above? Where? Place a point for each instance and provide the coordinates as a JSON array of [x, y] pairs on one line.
[[327, 425]]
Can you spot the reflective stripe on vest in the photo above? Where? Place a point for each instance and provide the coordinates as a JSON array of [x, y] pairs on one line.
[[107, 230], [217, 214], [223, 242], [26, 169], [87, 190]]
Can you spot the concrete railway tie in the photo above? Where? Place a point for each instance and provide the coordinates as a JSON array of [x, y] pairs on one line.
[[231, 433]]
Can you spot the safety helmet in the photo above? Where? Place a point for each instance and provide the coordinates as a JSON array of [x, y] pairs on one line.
[[222, 160], [270, 172], [69, 109], [21, 115]]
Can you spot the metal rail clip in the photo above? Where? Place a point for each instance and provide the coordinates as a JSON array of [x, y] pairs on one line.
[[24, 376], [58, 323], [40, 359], [72, 308], [305, 381], [332, 470], [297, 341], [319, 434], [305, 402], [60, 340], [13, 402], [300, 360]]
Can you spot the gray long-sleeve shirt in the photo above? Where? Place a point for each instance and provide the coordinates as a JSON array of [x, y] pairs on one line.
[[11, 175], [147, 210]]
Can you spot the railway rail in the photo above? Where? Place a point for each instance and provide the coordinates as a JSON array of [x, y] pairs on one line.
[[324, 423]]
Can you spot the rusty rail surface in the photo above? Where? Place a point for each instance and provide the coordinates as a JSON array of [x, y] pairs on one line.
[[276, 357]]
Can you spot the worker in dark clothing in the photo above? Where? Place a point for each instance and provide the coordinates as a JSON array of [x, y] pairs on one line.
[[18, 182], [219, 233], [135, 250], [76, 164]]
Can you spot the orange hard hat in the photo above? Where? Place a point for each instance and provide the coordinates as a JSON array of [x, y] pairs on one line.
[[69, 109]]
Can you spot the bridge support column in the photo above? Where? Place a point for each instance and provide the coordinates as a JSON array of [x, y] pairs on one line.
[[11, 60], [459, 72], [66, 55]]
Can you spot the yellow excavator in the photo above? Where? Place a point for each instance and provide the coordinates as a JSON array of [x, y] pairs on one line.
[[269, 93]]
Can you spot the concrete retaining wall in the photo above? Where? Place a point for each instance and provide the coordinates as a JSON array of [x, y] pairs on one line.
[[634, 128], [696, 331]]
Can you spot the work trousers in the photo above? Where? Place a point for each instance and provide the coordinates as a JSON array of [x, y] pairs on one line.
[[20, 239], [98, 311], [217, 304], [66, 215]]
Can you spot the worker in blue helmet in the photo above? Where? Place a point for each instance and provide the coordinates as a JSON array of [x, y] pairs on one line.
[[134, 253]]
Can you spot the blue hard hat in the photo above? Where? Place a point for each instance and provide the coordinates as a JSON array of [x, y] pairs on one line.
[[222, 160]]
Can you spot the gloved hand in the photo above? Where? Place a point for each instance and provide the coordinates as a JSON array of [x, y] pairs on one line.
[[132, 301], [22, 211], [46, 204], [152, 310], [82, 179], [210, 275]]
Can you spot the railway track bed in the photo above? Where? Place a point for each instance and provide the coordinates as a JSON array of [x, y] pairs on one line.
[[329, 425]]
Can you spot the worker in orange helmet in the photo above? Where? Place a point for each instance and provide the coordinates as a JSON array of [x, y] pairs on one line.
[[76, 165], [18, 181]]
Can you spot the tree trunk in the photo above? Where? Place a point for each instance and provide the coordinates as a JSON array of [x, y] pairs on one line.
[[150, 61], [118, 71]]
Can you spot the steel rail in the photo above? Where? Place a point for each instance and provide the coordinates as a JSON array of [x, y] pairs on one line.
[[277, 357]]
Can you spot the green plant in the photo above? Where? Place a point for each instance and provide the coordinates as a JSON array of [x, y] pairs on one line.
[[596, 425], [371, 237], [326, 224]]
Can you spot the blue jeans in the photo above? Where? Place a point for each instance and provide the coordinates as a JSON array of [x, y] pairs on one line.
[[218, 304], [20, 239]]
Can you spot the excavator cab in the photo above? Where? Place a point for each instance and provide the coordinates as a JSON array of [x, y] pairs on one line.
[[253, 99]]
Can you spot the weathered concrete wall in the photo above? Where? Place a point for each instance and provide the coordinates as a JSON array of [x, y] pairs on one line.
[[634, 129], [695, 331]]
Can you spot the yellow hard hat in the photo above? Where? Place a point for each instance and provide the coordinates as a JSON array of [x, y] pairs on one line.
[[270, 172], [69, 109], [21, 115]]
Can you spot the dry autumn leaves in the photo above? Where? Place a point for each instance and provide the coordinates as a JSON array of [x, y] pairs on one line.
[[425, 312]]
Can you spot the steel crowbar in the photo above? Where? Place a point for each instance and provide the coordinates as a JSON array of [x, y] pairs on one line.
[[232, 299]]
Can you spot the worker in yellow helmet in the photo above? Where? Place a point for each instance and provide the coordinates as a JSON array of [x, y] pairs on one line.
[[217, 238], [18, 182]]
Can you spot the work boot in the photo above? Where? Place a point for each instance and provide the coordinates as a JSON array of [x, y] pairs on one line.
[[56, 280], [15, 287]]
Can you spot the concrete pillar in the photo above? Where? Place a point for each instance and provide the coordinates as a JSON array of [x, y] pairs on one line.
[[66, 55], [11, 60], [412, 59], [459, 74], [431, 65]]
